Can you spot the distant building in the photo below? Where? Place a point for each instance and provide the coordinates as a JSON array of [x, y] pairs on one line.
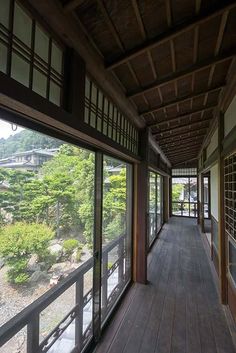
[[29, 160]]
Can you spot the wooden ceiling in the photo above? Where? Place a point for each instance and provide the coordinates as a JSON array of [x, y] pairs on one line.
[[171, 57]]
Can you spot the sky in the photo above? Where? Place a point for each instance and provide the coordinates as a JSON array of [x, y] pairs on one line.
[[6, 129]]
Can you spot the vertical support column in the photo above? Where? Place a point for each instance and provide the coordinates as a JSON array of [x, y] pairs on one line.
[[97, 246], [222, 240], [74, 97], [170, 197], [166, 198], [198, 199], [141, 205], [202, 204]]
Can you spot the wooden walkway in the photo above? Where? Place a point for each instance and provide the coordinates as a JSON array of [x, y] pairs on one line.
[[179, 310]]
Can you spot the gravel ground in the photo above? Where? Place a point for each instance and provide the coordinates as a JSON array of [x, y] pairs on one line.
[[13, 299]]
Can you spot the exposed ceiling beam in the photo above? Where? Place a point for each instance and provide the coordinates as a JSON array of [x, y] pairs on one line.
[[110, 24], [72, 5], [171, 34], [154, 144], [189, 125], [182, 148], [176, 139], [182, 116], [184, 73], [201, 129], [185, 141], [186, 161], [179, 156], [74, 36], [180, 100]]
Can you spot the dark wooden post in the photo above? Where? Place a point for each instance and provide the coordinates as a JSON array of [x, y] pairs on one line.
[[221, 230], [141, 205], [79, 295], [166, 198], [33, 334]]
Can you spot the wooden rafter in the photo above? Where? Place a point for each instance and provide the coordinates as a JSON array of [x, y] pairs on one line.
[[181, 147], [171, 34], [116, 36], [72, 5], [223, 23], [181, 100], [189, 125], [110, 24], [177, 138], [184, 152], [144, 35], [186, 161], [184, 73], [161, 138], [183, 140], [168, 13], [182, 116], [170, 147], [180, 154]]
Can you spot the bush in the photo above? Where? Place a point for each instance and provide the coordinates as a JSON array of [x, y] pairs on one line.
[[70, 245], [18, 242]]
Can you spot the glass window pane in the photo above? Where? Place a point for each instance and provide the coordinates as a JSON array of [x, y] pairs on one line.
[[20, 69], [41, 43], [49, 207], [56, 60], [116, 230], [4, 13], [152, 207], [55, 93], [39, 83], [22, 25], [3, 58]]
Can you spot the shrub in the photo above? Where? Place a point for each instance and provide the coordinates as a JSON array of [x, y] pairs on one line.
[[70, 245], [18, 242]]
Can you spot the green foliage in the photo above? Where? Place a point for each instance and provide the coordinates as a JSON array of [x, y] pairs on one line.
[[176, 191], [70, 245], [18, 242]]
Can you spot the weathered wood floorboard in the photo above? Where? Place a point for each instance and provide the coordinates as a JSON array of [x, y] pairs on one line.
[[179, 310]]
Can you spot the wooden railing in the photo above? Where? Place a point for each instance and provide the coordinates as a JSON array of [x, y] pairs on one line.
[[30, 316]]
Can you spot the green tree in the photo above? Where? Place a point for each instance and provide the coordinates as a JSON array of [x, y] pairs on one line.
[[18, 242]]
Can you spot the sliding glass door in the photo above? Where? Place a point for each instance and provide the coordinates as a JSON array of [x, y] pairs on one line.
[[116, 231], [155, 205], [70, 210]]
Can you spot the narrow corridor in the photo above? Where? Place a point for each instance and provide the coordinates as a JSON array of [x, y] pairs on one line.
[[179, 310]]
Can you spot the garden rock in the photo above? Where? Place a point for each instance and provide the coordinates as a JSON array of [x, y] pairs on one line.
[[33, 265], [1, 263], [73, 257], [58, 268], [39, 276], [56, 250]]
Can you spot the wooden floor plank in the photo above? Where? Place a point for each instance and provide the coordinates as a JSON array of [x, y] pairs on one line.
[[178, 311]]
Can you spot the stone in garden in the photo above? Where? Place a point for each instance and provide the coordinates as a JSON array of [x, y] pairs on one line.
[[56, 250], [1, 263], [59, 267], [73, 258], [33, 265], [39, 276]]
